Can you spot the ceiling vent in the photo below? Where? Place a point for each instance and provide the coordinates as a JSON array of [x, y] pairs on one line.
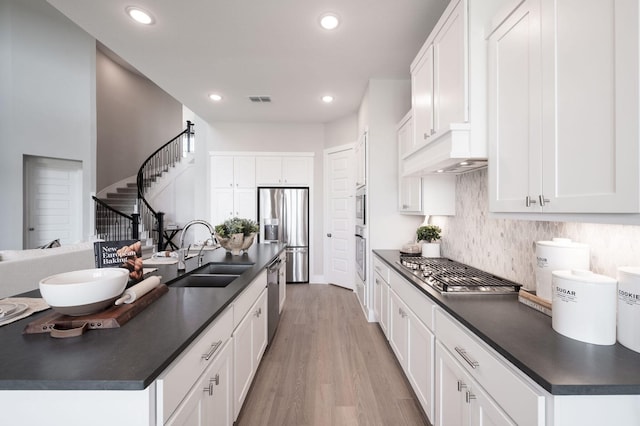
[[260, 99]]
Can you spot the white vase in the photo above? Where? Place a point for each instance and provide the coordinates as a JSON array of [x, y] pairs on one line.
[[430, 249]]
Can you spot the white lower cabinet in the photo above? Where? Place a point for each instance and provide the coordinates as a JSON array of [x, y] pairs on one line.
[[209, 403], [460, 400], [178, 388], [497, 390], [249, 344], [412, 342]]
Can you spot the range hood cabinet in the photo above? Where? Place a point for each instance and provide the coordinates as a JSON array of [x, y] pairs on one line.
[[453, 151]]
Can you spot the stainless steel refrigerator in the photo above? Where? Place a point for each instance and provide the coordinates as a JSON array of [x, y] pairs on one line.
[[283, 215]]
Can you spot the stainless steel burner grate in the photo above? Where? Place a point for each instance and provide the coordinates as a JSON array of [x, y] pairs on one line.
[[449, 276]]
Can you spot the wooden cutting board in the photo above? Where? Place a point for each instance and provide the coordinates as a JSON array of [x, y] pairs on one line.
[[60, 325]]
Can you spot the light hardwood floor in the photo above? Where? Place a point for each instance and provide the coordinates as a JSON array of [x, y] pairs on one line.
[[328, 366]]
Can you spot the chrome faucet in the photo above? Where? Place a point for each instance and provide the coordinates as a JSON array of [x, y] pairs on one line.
[[184, 253]]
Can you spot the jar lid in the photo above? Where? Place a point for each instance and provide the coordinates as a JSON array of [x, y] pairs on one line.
[[583, 276], [562, 242], [631, 270]]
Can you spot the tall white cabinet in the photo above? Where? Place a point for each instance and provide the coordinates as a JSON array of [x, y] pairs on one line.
[[563, 108]]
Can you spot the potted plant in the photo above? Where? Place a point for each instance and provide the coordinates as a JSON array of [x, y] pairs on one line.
[[236, 235], [429, 234]]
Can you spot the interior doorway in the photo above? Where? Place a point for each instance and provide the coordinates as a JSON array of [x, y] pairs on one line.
[[339, 247], [52, 201]]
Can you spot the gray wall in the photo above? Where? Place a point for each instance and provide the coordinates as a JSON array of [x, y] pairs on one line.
[[47, 103], [134, 118]]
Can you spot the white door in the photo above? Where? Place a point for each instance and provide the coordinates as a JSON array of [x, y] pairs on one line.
[[53, 201], [339, 226]]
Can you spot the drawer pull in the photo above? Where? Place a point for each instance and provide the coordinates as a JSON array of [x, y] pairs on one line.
[[258, 312], [461, 385], [212, 350], [469, 396], [209, 389], [466, 357]]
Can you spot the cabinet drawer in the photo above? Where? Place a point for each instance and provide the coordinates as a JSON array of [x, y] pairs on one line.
[[247, 298], [503, 383], [381, 268], [174, 383], [418, 302]]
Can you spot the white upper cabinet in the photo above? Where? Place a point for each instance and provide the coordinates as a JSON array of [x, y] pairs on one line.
[[282, 171], [360, 154], [564, 116], [422, 101], [233, 171]]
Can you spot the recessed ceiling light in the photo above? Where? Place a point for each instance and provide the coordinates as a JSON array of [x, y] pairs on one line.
[[329, 21], [215, 97], [139, 15], [327, 99]]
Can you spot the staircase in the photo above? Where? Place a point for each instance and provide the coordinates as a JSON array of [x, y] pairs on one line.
[[124, 212]]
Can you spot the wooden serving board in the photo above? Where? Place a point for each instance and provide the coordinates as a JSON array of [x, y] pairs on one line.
[[60, 325]]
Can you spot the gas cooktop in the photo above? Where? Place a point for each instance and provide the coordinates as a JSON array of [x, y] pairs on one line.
[[451, 277]]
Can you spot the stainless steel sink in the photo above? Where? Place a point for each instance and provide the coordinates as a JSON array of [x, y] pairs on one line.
[[212, 275], [205, 280]]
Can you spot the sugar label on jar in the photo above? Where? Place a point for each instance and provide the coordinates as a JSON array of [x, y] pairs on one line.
[[565, 295], [542, 262]]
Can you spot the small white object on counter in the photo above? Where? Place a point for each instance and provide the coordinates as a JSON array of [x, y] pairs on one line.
[[584, 306], [555, 255], [135, 292], [629, 307]]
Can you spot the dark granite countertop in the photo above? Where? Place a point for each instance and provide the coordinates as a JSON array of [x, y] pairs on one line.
[[524, 336], [130, 357]]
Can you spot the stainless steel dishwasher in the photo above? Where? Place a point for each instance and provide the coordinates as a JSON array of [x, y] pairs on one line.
[[273, 297]]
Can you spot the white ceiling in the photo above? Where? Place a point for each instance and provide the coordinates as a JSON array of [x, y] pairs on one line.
[[242, 48]]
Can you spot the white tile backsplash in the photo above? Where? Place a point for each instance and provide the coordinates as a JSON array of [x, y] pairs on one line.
[[506, 247]]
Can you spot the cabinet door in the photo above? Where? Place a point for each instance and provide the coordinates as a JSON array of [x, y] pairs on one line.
[[590, 153], [360, 154], [410, 193], [398, 328], [422, 99], [243, 361], [208, 403], [260, 329], [222, 205], [244, 172], [515, 96], [420, 362], [384, 310], [451, 382], [244, 203], [268, 171], [483, 411], [450, 71], [222, 171], [378, 285], [297, 170]]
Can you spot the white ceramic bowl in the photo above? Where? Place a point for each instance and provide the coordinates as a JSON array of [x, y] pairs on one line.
[[85, 291]]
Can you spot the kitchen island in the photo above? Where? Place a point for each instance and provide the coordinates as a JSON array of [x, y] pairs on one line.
[[583, 382], [129, 358]]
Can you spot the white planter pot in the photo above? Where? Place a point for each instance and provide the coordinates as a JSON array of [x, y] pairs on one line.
[[430, 249]]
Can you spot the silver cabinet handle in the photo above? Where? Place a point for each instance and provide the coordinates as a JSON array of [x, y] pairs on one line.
[[467, 358], [426, 136], [469, 396], [433, 132], [212, 350], [528, 201], [329, 235], [402, 313], [461, 385], [377, 281], [258, 312], [543, 201], [214, 380]]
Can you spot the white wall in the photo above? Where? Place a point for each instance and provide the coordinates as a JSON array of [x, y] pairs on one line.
[[134, 118], [47, 103], [384, 104], [341, 132]]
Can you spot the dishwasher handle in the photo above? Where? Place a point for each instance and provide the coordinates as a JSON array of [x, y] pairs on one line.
[[275, 265]]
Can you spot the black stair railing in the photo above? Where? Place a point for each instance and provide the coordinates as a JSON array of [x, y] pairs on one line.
[[112, 225], [153, 167]]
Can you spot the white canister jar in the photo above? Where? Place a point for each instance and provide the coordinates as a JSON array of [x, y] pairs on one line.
[[629, 307], [554, 255], [584, 306]]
